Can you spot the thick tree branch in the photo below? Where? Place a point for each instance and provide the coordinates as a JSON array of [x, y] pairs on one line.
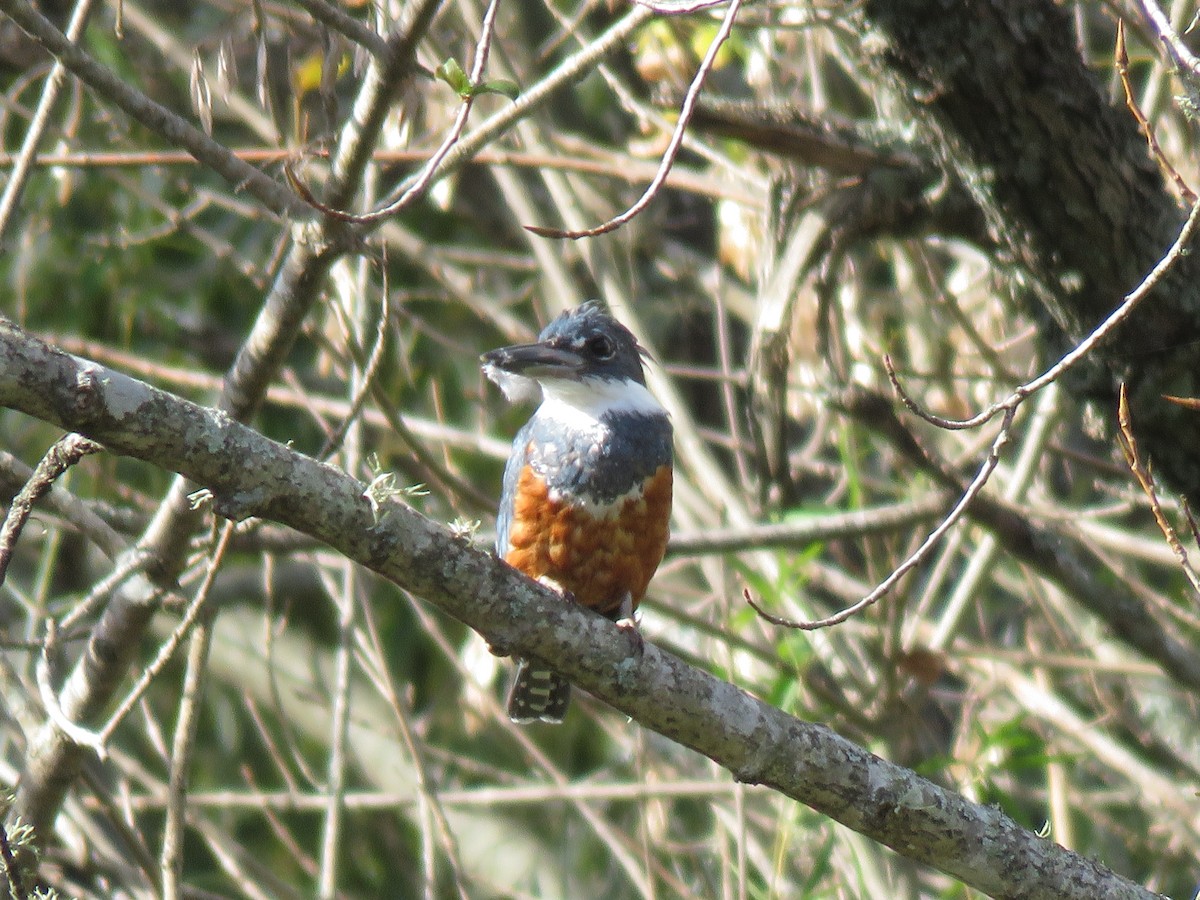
[[756, 742]]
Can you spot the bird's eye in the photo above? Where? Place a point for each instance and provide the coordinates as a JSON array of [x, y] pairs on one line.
[[601, 346]]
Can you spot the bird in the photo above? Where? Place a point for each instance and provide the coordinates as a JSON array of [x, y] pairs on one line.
[[586, 501]]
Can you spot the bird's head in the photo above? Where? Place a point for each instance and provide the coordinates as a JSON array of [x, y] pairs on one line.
[[584, 358]]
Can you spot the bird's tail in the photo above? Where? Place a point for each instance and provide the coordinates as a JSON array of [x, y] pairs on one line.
[[538, 693]]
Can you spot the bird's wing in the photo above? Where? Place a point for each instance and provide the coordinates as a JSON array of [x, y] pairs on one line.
[[512, 474]]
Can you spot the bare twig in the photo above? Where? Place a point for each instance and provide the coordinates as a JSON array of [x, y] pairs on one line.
[[533, 793], [1137, 465], [155, 116], [1122, 63], [382, 86], [65, 453], [345, 587], [125, 567], [10, 866], [373, 661], [1184, 59], [171, 859], [618, 167], [333, 17], [915, 559], [1054, 553], [87, 517], [370, 374], [1191, 520], [668, 157], [23, 162], [78, 734], [677, 7], [165, 654], [1008, 407], [1078, 353], [826, 526], [414, 189], [969, 583]]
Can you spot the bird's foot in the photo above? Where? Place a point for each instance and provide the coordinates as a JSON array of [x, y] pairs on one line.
[[499, 649], [547, 581], [628, 626]]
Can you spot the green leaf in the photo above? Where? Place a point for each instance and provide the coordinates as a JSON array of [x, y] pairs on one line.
[[451, 73], [501, 86]]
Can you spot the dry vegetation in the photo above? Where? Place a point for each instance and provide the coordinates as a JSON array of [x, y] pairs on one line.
[[318, 730]]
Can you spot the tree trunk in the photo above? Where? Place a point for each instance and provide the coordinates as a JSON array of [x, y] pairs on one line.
[[1069, 192]]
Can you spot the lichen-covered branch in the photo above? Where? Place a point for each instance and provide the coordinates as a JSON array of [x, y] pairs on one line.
[[757, 742]]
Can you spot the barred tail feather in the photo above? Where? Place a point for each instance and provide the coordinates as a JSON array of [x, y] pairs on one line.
[[538, 694]]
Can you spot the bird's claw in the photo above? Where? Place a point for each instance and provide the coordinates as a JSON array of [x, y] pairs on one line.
[[629, 628]]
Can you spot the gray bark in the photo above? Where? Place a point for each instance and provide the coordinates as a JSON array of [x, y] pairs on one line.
[[1069, 191]]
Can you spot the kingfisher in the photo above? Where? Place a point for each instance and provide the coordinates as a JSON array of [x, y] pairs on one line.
[[586, 502]]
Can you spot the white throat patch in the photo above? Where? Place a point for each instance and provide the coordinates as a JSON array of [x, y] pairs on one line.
[[516, 388], [582, 404]]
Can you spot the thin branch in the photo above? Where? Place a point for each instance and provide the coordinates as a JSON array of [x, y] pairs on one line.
[[369, 378], [186, 724], [565, 73], [678, 7], [337, 20], [23, 163], [969, 583], [620, 167], [65, 453], [668, 157], [125, 567], [165, 654], [1052, 550], [1191, 520], [918, 555], [382, 86], [416, 188], [154, 116], [1184, 59], [429, 801], [337, 762], [1121, 58], [1129, 447], [76, 733], [355, 307], [1078, 353], [533, 793], [826, 526]]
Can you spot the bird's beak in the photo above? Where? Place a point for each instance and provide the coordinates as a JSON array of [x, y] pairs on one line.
[[533, 361]]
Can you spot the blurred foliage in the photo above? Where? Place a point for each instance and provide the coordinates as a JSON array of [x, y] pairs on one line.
[[157, 267]]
